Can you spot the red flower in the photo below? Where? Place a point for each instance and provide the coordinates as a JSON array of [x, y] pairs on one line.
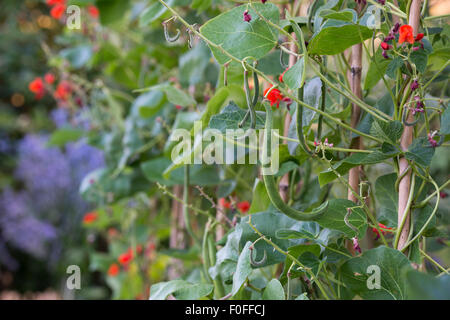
[[243, 206], [55, 2], [274, 96], [37, 87], [406, 34], [280, 78], [63, 91], [93, 11], [90, 217], [139, 249], [419, 36], [126, 257], [113, 270], [224, 203], [383, 229], [58, 11], [178, 107], [49, 78], [385, 46]]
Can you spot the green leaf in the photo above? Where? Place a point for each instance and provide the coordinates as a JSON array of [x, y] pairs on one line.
[[445, 121], [178, 97], [308, 230], [387, 199], [294, 77], [387, 131], [333, 218], [201, 5], [260, 199], [297, 251], [174, 95], [420, 151], [61, 137], [354, 160], [220, 98], [194, 64], [199, 175], [393, 66], [78, 56], [148, 104], [421, 286], [267, 223], [348, 15], [420, 59], [231, 116], [243, 269], [240, 38], [187, 255], [392, 264], [376, 71], [274, 291], [194, 292], [112, 11], [153, 12], [312, 96], [335, 39], [180, 289]]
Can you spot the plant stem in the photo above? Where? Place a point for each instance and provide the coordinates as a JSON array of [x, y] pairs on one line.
[[404, 212]]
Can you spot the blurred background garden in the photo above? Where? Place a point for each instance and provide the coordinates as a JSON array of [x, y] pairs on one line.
[[74, 136]]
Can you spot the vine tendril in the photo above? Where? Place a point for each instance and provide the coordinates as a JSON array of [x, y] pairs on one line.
[[166, 31], [260, 263]]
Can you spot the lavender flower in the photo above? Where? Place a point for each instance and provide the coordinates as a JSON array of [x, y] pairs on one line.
[[49, 207]]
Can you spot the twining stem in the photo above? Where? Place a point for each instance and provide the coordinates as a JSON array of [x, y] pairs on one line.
[[187, 219], [433, 261], [426, 200], [405, 141], [355, 85]]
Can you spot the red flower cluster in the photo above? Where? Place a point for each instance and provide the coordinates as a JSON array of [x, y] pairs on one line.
[[243, 206], [126, 257], [90, 217], [224, 203], [383, 230], [37, 87], [405, 35], [63, 91], [113, 270], [274, 96], [58, 8], [93, 11]]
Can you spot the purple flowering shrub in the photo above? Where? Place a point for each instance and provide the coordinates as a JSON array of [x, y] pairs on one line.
[[46, 205]]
